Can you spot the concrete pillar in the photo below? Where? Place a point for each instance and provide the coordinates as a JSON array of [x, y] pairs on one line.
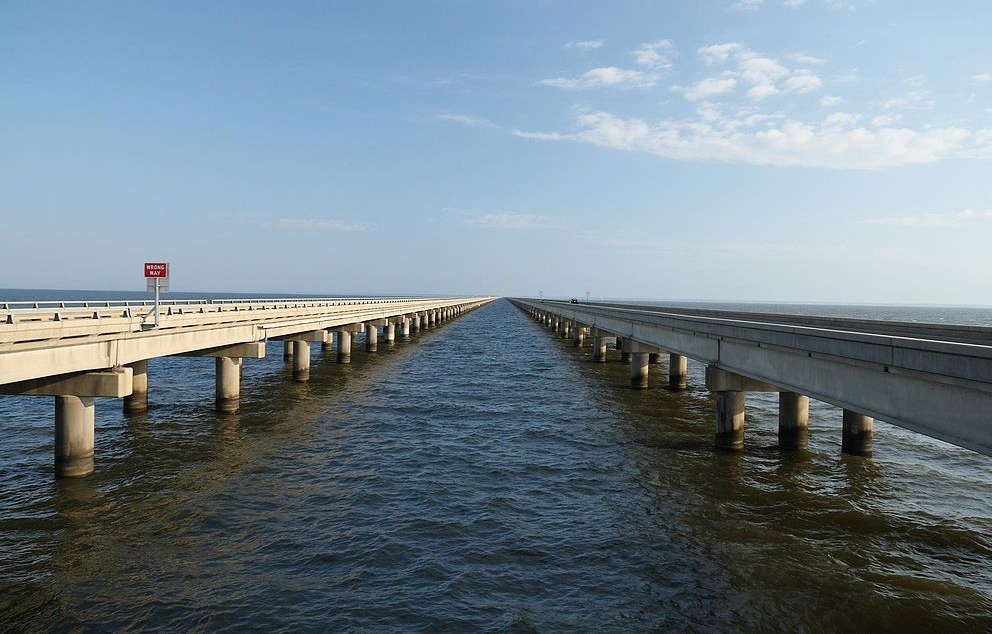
[[371, 338], [730, 420], [328, 341], [227, 384], [405, 328], [390, 332], [137, 402], [857, 435], [565, 330], [75, 426], [639, 370], [654, 358], [793, 421], [623, 345], [344, 346], [578, 335], [287, 350], [678, 369], [599, 349], [301, 361]]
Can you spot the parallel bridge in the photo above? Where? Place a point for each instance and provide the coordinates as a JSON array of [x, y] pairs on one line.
[[77, 351], [932, 379]]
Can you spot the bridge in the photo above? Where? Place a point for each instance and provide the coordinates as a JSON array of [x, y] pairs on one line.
[[932, 379], [78, 351]]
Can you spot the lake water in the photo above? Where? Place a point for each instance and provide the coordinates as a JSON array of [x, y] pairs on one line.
[[483, 476]]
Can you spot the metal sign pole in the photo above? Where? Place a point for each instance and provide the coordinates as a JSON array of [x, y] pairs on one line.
[[157, 281]]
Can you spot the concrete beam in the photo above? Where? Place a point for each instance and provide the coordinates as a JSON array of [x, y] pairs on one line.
[[310, 336], [116, 383], [238, 351], [718, 380]]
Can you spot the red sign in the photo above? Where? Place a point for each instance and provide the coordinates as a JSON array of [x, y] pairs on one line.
[[156, 269]]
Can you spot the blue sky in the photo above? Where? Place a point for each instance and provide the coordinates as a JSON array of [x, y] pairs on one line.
[[767, 150]]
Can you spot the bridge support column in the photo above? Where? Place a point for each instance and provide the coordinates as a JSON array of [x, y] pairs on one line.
[[857, 434], [793, 421], [137, 402], [578, 335], [301, 361], [623, 346], [405, 328], [227, 384], [371, 338], [390, 332], [730, 420], [654, 358], [328, 341], [75, 427], [287, 350], [639, 369], [344, 346], [599, 351], [678, 369]]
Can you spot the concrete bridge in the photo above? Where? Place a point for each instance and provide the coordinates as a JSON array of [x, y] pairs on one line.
[[932, 379], [78, 351]]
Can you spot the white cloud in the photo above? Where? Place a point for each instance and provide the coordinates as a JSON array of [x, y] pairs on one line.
[[654, 54], [719, 53], [794, 3], [608, 76], [467, 120], [803, 81], [761, 70], [884, 121], [766, 76], [841, 119], [761, 91], [831, 101], [983, 78], [749, 4], [838, 143], [508, 220], [708, 87], [944, 220], [319, 223], [586, 45]]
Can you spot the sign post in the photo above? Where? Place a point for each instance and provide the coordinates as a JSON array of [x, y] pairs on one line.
[[157, 275]]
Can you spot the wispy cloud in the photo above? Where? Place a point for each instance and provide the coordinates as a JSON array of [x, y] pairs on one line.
[[586, 45], [320, 223], [982, 78], [609, 76], [838, 142], [706, 88], [945, 220], [655, 55], [508, 220], [467, 120]]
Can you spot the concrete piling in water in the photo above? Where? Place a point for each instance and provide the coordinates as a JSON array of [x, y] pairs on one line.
[[75, 427], [730, 420], [793, 421], [857, 434], [227, 384], [137, 401]]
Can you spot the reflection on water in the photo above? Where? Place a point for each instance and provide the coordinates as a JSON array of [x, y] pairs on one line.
[[484, 475]]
